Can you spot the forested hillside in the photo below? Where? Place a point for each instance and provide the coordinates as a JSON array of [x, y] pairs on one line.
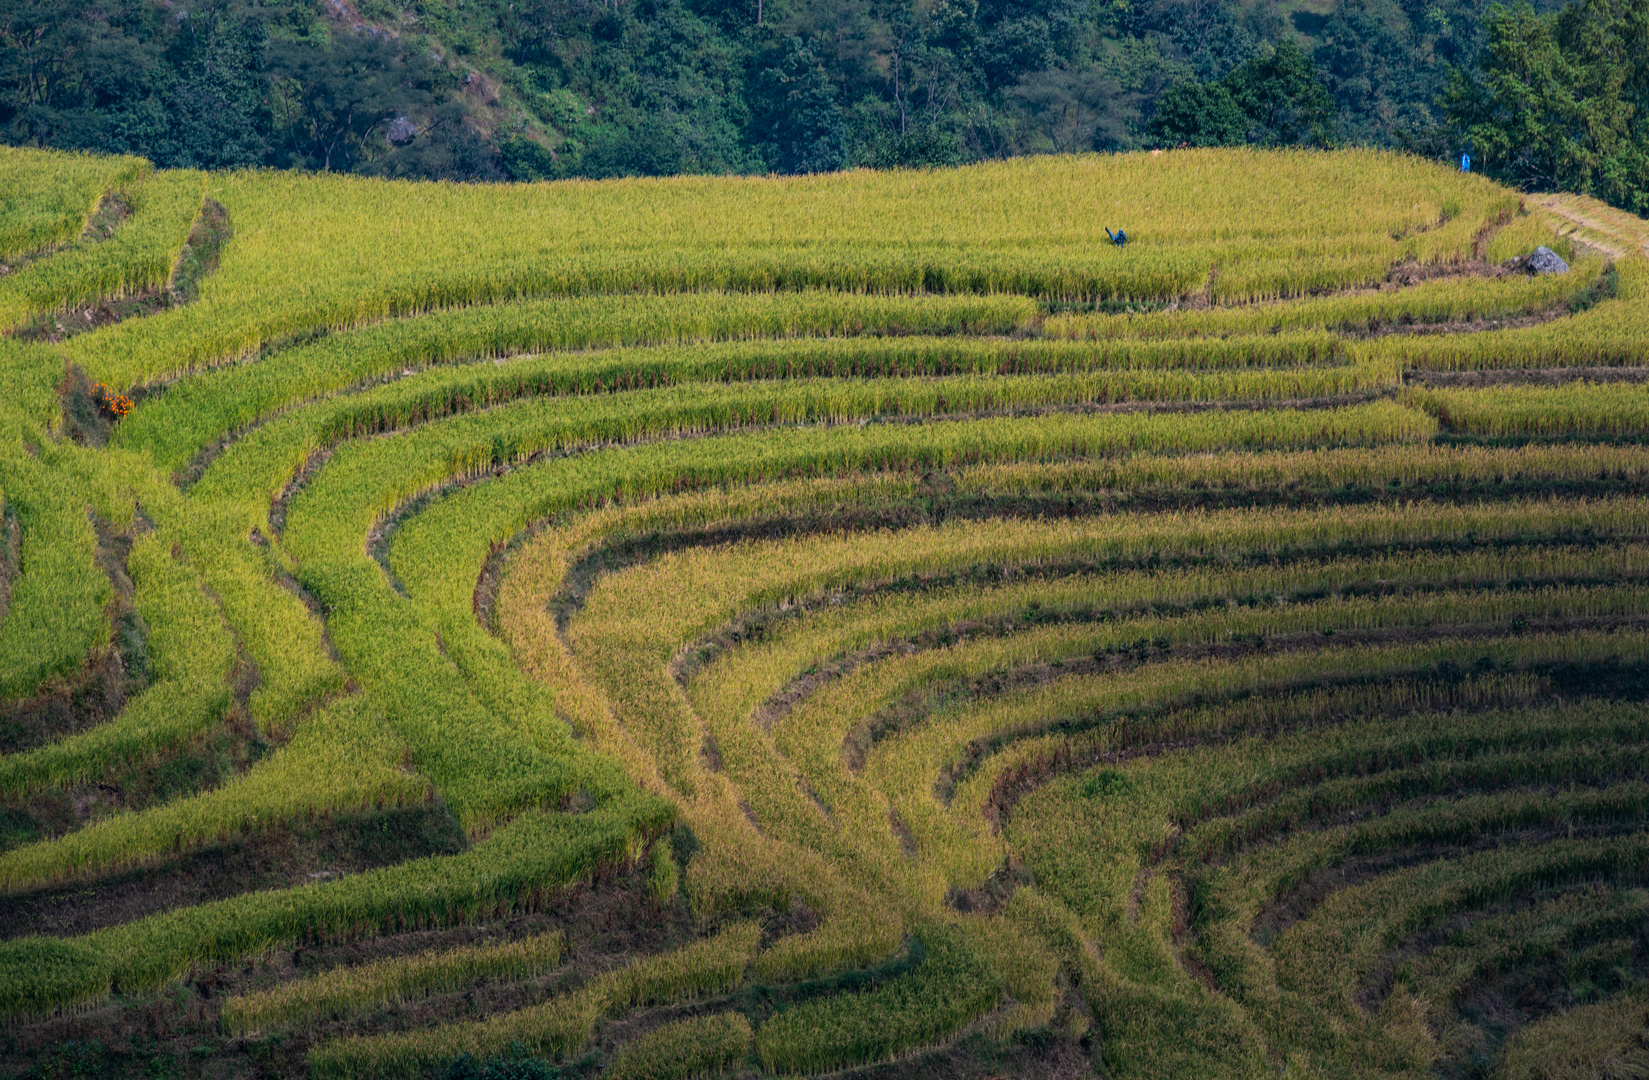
[[531, 89]]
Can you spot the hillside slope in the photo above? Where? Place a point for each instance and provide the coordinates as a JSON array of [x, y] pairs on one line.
[[863, 623]]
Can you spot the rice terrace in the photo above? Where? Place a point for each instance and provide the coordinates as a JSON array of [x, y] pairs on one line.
[[867, 624]]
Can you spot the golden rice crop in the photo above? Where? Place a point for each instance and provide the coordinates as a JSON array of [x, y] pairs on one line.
[[878, 542], [1436, 301], [1027, 225], [1578, 408]]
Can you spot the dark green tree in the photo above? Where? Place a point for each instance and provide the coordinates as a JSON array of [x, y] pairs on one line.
[[1369, 69], [798, 112], [332, 106], [1275, 99], [216, 100], [1560, 102], [536, 89], [1285, 99], [64, 65], [1199, 114]]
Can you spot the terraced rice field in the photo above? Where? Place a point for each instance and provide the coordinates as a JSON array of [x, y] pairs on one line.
[[860, 622]]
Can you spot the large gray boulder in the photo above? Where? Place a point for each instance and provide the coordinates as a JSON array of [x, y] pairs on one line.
[[1546, 261], [402, 131]]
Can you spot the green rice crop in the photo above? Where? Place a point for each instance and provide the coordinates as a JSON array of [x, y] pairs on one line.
[[1325, 955], [45, 975], [663, 875], [1084, 823], [1087, 837], [1028, 969], [753, 576], [1147, 700], [726, 692], [560, 485], [1054, 924], [858, 933], [484, 776], [1570, 1045], [906, 766], [846, 522], [623, 642], [137, 257], [513, 869], [556, 1028], [343, 758], [1503, 765], [269, 456], [204, 408], [487, 765], [702, 1046], [345, 990], [46, 197], [950, 987], [713, 966], [192, 657], [1115, 595], [276, 630], [1395, 469], [1503, 942], [32, 373], [55, 619]]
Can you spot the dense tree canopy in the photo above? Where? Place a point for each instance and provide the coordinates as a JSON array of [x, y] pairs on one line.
[[545, 88], [1561, 101], [1275, 99]]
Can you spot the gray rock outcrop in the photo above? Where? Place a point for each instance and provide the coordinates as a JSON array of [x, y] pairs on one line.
[[401, 131], [1546, 261]]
